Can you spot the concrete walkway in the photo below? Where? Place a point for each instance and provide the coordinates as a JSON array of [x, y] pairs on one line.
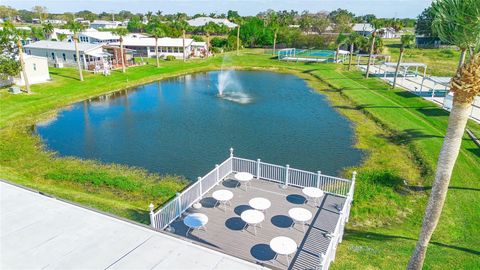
[[39, 232]]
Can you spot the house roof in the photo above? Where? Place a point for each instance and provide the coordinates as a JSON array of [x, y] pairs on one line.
[[199, 43], [59, 45], [106, 22], [100, 35], [201, 21], [150, 42], [362, 27]]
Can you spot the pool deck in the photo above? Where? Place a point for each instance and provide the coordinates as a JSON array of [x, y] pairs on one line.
[[224, 228], [38, 232]]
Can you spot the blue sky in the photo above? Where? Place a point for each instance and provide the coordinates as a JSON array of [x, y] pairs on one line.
[[381, 8]]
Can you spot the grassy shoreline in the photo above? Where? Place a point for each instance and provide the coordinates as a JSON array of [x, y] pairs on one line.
[[401, 133]]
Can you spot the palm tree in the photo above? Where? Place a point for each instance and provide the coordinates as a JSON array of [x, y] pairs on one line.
[[157, 32], [149, 15], [238, 20], [274, 24], [121, 33], [377, 24], [406, 40], [456, 22], [354, 39], [209, 28], [342, 39], [76, 27], [18, 35], [47, 30], [61, 37], [183, 25]]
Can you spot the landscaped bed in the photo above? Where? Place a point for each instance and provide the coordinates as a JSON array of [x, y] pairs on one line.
[[401, 132]]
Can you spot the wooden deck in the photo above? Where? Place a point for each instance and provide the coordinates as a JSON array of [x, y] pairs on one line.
[[224, 229]]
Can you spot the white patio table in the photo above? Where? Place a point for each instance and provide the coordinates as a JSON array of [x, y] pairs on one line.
[[300, 215], [252, 217], [284, 246], [244, 177], [260, 204], [223, 197], [313, 193], [195, 221]]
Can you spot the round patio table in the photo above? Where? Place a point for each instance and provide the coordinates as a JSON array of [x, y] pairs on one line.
[[260, 204], [300, 215], [284, 246], [252, 217], [313, 193], [244, 177], [195, 221], [223, 197]]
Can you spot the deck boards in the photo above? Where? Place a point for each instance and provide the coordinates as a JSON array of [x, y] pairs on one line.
[[224, 229]]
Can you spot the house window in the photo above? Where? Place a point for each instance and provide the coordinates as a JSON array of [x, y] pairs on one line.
[[34, 67], [53, 56], [75, 57], [64, 57]]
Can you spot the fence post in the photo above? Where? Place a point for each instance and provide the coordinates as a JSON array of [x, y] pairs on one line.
[[199, 180], [179, 203], [217, 173], [354, 176], [258, 168], [152, 215], [287, 168], [319, 175], [231, 152]]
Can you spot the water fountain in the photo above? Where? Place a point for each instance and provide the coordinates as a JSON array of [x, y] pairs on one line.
[[229, 87]]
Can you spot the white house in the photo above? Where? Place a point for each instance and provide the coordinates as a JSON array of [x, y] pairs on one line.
[[201, 21], [364, 29], [387, 32], [104, 24], [54, 21], [166, 46], [105, 37], [64, 52], [36, 68]]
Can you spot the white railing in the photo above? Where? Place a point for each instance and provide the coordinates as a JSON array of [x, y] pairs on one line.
[[261, 170]]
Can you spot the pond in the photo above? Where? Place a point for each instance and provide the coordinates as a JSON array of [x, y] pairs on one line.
[[182, 126]]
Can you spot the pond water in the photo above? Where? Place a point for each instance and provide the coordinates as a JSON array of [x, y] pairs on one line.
[[181, 126]]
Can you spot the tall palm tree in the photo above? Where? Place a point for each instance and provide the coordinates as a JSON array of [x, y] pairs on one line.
[[47, 30], [342, 39], [456, 22], [377, 24], [406, 40], [274, 24], [76, 27], [121, 33], [238, 20], [183, 25], [354, 39], [18, 35], [157, 32]]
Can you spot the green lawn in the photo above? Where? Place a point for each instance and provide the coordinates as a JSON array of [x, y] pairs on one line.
[[440, 62], [402, 134]]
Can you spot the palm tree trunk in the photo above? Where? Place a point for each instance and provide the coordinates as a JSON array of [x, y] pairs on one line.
[[238, 39], [156, 52], [80, 71], [398, 67], [208, 44], [446, 161], [350, 57], [274, 42], [122, 56], [462, 58], [370, 54], [183, 32], [22, 66], [336, 53]]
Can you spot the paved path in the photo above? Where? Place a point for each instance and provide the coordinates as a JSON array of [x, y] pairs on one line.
[[39, 232]]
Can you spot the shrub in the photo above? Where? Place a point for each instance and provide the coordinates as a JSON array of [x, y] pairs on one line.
[[197, 38], [170, 58]]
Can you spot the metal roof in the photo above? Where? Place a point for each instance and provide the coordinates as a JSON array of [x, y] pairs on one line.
[[150, 42], [59, 45]]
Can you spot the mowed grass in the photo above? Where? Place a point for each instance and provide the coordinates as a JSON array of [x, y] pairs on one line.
[[440, 62], [401, 133]]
